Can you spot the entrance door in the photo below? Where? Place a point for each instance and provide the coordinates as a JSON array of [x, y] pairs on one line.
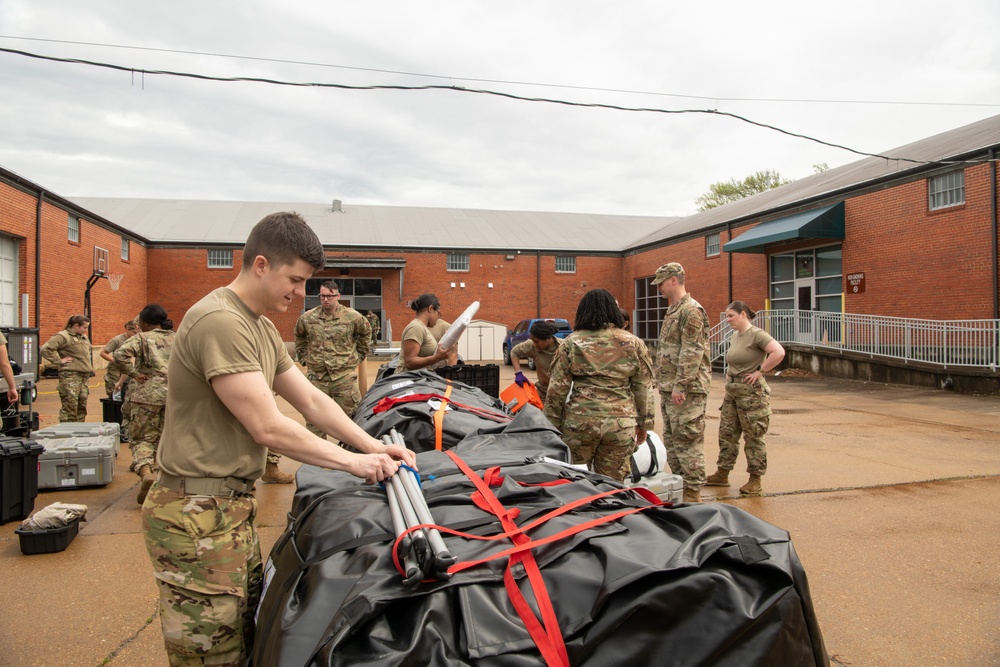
[[8, 281], [804, 305]]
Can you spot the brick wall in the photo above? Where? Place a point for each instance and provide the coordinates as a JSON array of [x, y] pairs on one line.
[[920, 263], [917, 263]]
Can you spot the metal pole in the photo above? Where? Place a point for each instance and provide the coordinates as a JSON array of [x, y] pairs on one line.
[[442, 557]]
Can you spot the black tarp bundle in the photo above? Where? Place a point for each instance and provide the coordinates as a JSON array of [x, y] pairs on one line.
[[469, 409], [704, 584]]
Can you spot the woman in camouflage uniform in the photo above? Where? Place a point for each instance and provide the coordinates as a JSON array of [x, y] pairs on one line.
[[143, 358], [746, 409], [71, 352], [611, 405]]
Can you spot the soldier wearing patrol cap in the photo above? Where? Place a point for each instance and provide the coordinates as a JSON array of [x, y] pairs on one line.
[[684, 375]]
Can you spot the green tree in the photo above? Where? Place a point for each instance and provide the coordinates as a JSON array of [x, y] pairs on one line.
[[724, 192]]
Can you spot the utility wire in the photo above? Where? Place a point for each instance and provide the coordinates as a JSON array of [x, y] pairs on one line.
[[462, 89], [715, 98]]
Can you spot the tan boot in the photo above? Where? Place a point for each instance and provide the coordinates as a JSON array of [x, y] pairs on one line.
[[719, 478], [752, 488], [146, 479], [273, 475], [692, 495]]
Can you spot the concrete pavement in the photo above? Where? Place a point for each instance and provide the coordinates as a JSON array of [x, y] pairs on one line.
[[891, 495]]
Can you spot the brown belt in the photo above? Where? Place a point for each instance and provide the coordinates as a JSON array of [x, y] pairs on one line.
[[206, 486]]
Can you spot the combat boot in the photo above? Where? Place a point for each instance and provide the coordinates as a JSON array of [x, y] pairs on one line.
[[752, 488], [719, 478], [146, 479], [692, 495], [273, 475]]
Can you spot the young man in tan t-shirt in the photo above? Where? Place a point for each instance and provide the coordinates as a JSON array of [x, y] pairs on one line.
[[221, 420]]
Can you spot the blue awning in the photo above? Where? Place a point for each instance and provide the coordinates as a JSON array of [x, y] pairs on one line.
[[820, 223]]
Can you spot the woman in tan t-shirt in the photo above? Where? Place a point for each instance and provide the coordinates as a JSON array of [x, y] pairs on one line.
[[746, 409], [420, 348]]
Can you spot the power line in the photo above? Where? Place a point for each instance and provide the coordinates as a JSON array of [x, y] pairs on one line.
[[715, 98], [462, 89]]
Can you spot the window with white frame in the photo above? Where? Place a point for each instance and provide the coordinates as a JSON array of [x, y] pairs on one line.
[[125, 249], [946, 190], [74, 229], [565, 264], [220, 258], [712, 247], [457, 262]]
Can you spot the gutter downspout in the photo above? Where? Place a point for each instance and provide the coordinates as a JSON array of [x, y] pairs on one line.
[[729, 259], [993, 233], [38, 258], [538, 283]]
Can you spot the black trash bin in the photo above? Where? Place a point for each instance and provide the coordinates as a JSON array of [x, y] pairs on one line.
[[18, 477]]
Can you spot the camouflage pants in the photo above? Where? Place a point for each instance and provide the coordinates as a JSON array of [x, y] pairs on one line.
[[684, 437], [126, 406], [746, 411], [110, 380], [144, 429], [344, 391], [206, 560], [73, 393], [605, 444]]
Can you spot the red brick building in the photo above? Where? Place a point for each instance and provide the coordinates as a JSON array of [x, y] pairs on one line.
[[915, 229]]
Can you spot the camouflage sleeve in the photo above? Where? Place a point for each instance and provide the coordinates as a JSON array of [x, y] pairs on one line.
[[363, 337], [301, 340], [643, 390], [524, 350], [560, 381], [125, 356], [694, 338]]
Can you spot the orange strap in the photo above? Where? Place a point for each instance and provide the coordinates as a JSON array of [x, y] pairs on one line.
[[439, 418]]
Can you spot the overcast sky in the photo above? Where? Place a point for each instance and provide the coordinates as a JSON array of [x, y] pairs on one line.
[[88, 131]]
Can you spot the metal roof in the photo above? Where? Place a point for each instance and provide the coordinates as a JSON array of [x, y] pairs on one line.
[[165, 221], [969, 139]]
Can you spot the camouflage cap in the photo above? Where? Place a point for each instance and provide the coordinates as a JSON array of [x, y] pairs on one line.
[[667, 271]]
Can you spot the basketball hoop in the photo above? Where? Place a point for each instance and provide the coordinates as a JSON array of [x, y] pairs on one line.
[[114, 279]]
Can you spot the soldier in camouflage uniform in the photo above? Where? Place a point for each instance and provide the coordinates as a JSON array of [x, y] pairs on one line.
[[71, 352], [144, 360], [611, 405], [684, 375], [375, 325], [746, 409], [114, 370], [541, 346], [331, 340], [226, 362]]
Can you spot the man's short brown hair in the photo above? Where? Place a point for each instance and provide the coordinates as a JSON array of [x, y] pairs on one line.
[[283, 238]]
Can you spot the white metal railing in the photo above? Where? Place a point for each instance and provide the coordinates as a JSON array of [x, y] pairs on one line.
[[974, 343]]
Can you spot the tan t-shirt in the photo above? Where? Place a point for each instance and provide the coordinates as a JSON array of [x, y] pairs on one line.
[[219, 335], [746, 350], [418, 331], [440, 329]]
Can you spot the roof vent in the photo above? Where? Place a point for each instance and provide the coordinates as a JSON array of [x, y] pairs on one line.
[[337, 207]]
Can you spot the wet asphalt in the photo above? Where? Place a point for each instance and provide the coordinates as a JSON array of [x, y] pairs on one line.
[[891, 495]]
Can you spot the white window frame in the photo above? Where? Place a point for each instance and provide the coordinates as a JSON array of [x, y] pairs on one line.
[[457, 262], [713, 245], [565, 264], [946, 190], [125, 249], [220, 258], [73, 231]]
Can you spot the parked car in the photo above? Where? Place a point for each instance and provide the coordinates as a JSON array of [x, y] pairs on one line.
[[519, 334]]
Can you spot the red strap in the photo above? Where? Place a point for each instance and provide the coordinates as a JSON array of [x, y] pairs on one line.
[[390, 402], [546, 633]]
